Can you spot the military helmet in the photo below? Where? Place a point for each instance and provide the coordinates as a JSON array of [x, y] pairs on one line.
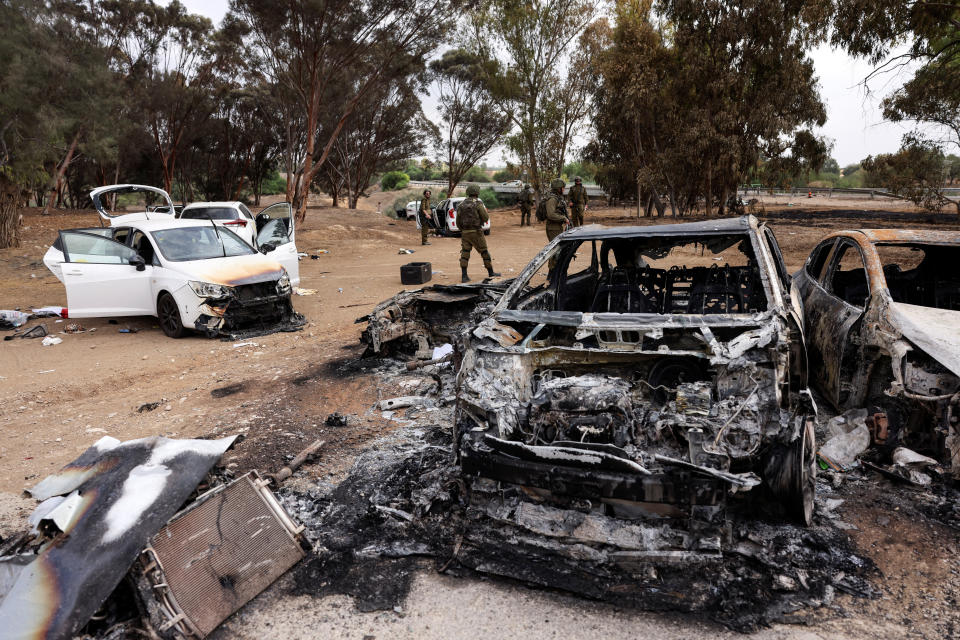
[[577, 179], [473, 190], [557, 184]]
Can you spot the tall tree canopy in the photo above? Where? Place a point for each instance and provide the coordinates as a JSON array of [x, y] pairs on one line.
[[694, 92]]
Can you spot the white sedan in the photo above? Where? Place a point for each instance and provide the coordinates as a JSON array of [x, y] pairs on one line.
[[190, 274]]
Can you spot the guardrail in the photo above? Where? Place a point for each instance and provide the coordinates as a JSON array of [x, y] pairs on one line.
[[593, 191]]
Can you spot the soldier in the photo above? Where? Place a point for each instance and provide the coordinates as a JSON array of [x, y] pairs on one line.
[[526, 203], [556, 211], [578, 202], [471, 215], [425, 214]]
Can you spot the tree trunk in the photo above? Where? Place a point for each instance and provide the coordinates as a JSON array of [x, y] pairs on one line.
[[640, 198], [9, 214], [723, 200], [57, 180], [708, 196]]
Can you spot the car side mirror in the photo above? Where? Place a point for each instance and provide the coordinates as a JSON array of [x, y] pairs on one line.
[[267, 248], [137, 261]]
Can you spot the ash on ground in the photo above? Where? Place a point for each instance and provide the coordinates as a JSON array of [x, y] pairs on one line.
[[405, 500]]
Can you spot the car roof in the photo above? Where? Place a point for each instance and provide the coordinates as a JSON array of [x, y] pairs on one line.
[[896, 236], [743, 224], [168, 223], [197, 205]]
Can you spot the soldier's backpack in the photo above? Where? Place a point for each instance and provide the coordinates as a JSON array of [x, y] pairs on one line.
[[542, 207], [542, 210], [468, 217]]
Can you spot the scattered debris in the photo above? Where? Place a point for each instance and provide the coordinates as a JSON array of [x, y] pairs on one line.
[[128, 330], [336, 419], [304, 292], [94, 518], [403, 401], [237, 345], [12, 319], [150, 406], [405, 251], [38, 331], [298, 460], [74, 327], [842, 450], [51, 340], [46, 312], [245, 541]]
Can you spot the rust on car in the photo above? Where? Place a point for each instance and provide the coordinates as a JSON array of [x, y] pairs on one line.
[[882, 314]]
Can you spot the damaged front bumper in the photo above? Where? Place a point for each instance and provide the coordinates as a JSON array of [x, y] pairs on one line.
[[416, 321], [248, 311], [665, 428]]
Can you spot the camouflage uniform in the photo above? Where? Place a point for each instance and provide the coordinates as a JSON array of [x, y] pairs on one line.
[[526, 204], [471, 216], [578, 201], [424, 214], [556, 209]]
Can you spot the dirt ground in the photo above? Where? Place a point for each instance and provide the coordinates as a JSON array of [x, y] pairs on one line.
[[278, 390]]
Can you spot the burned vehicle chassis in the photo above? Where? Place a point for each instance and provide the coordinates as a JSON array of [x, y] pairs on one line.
[[636, 388], [654, 417]]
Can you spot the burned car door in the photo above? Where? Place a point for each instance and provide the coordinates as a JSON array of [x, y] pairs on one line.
[[276, 235], [833, 306], [103, 277], [581, 279]]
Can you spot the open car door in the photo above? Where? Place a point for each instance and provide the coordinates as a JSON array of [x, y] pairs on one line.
[[103, 277], [276, 237], [111, 201]]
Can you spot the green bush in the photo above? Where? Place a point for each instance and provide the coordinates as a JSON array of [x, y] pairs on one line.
[[503, 176], [489, 199], [273, 184], [475, 174], [393, 180]]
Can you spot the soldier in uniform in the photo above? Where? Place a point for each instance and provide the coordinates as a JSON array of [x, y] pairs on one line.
[[556, 210], [471, 215], [578, 202], [425, 214], [526, 203]]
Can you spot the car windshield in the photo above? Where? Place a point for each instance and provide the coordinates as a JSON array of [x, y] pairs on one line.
[[922, 274], [655, 274], [199, 243], [210, 213]]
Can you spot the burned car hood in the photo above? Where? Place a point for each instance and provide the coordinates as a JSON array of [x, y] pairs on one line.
[[231, 271], [936, 331]]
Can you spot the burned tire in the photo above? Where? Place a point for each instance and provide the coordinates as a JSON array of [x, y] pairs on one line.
[[804, 456], [169, 315], [791, 474]]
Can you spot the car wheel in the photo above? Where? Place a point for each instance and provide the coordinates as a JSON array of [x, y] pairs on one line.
[[169, 315], [791, 474], [804, 457]]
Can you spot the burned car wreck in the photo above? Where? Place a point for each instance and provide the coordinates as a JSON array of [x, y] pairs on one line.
[[882, 313], [640, 373]]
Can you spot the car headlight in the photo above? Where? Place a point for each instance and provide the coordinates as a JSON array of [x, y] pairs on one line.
[[283, 284], [209, 289]]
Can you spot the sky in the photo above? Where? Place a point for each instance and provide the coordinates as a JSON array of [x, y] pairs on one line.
[[855, 125]]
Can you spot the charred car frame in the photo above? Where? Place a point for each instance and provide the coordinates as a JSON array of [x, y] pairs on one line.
[[645, 373], [882, 313]]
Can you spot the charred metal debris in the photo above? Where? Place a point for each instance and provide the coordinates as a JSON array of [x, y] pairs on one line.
[[633, 404], [136, 535], [882, 313]]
